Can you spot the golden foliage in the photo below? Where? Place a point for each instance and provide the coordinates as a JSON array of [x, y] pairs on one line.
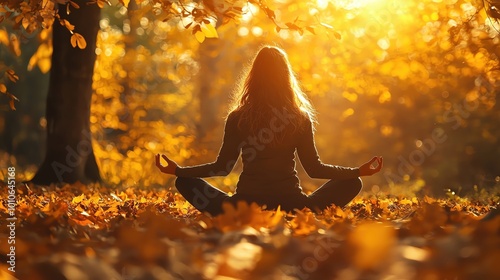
[[130, 121], [132, 230]]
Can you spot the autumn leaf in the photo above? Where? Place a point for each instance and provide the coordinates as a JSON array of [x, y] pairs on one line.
[[41, 58], [75, 5], [15, 45], [44, 64], [125, 2], [3, 88], [4, 37], [68, 25], [77, 39], [12, 105], [81, 222], [209, 30], [310, 29], [78, 199], [101, 3], [12, 75], [200, 36], [337, 35]]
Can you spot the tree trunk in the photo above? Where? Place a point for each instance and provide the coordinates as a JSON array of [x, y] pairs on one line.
[[210, 91], [69, 156]]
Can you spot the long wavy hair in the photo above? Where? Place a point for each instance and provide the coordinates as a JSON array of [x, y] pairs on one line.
[[271, 85]]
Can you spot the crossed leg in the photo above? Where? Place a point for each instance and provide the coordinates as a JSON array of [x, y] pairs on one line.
[[207, 198]]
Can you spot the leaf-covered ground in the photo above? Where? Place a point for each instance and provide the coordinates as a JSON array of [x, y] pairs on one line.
[[77, 232]]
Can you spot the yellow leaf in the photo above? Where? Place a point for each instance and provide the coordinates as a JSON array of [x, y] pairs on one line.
[[125, 2], [209, 31], [78, 199], [200, 36], [77, 39], [4, 37], [15, 46], [33, 61], [44, 65], [347, 113], [42, 58], [350, 96]]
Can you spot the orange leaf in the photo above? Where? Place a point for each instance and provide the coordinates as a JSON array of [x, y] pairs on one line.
[[11, 104], [83, 222], [68, 25], [74, 4], [77, 39], [12, 75], [101, 3], [337, 35]]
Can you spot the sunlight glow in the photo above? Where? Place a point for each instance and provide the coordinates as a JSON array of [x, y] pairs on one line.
[[355, 4], [322, 4], [249, 11]]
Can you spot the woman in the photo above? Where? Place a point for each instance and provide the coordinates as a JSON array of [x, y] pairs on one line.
[[272, 118]]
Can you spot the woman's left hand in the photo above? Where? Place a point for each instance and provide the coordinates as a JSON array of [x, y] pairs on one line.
[[169, 168], [367, 170]]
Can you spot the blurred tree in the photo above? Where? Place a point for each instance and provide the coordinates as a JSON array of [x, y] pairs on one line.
[[210, 53]]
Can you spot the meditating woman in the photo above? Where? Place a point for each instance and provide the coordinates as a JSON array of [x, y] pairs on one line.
[[272, 118]]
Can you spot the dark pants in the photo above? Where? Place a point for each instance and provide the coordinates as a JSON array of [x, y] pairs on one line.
[[207, 198]]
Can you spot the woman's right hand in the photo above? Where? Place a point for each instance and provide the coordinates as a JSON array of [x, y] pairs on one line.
[[367, 170], [171, 165]]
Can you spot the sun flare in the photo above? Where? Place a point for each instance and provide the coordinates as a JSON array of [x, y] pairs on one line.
[[354, 4]]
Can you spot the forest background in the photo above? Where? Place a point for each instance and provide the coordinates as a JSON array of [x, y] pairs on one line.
[[413, 81]]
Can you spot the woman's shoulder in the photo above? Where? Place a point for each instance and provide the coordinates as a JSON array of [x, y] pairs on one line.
[[233, 119], [234, 115]]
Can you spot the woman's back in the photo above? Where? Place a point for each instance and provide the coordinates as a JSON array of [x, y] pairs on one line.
[[268, 154]]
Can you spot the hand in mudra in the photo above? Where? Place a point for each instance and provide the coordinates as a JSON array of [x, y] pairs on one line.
[[367, 169], [169, 168]]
